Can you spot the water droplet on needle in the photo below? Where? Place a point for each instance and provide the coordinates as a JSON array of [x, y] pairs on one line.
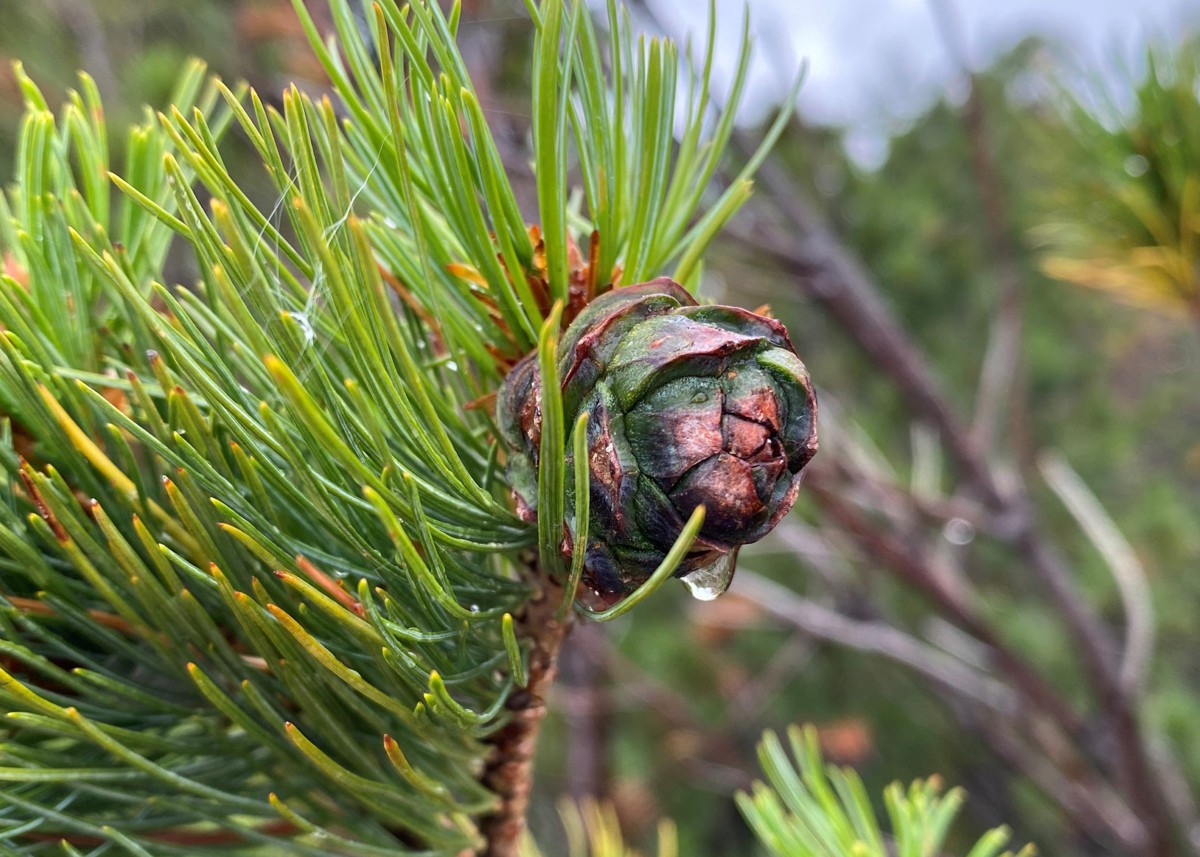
[[711, 581]]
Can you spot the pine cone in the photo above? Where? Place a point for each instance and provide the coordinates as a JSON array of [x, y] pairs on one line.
[[687, 405]]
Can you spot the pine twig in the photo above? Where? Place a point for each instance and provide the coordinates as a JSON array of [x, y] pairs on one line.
[[509, 770]]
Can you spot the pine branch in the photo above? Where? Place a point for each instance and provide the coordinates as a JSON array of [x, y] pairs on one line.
[[260, 564]]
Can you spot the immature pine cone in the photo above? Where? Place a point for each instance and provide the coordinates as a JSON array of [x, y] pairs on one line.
[[687, 405]]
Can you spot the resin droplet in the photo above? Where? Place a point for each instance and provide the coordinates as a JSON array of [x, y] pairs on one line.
[[711, 581]]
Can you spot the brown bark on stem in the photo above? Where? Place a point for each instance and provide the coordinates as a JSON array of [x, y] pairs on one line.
[[509, 770]]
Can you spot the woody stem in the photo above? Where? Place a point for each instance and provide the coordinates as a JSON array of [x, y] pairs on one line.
[[509, 770]]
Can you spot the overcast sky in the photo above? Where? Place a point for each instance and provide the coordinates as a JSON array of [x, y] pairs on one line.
[[872, 63]]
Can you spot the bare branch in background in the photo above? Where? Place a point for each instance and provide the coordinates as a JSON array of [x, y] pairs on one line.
[[878, 638], [999, 391], [829, 273], [88, 31], [1092, 806], [986, 704], [813, 547], [1118, 554]]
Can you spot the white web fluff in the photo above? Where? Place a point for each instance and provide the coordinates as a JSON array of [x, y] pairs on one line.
[[306, 315]]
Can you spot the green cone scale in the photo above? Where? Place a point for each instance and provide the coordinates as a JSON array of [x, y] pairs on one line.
[[688, 405]]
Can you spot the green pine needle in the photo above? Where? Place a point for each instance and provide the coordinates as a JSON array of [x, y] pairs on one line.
[[806, 809]]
